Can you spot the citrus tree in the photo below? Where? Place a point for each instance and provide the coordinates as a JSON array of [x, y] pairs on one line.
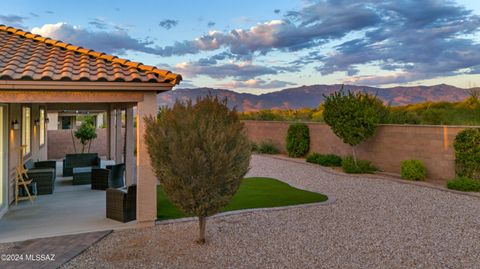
[[199, 153]]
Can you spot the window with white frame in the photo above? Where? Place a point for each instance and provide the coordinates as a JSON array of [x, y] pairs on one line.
[[26, 129]]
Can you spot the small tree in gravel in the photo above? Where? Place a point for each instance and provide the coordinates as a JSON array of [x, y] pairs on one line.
[[353, 116], [199, 153]]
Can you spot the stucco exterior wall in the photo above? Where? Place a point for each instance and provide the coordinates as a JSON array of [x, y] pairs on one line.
[[391, 144], [37, 152]]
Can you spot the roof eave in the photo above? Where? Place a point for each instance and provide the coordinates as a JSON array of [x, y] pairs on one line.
[[83, 86]]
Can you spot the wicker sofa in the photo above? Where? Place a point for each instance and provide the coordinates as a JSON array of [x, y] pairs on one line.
[[79, 160], [122, 203], [44, 174]]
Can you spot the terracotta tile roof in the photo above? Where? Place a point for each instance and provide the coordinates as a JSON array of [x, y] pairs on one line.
[[27, 56]]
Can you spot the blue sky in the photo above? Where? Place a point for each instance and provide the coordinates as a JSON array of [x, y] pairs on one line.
[[263, 46]]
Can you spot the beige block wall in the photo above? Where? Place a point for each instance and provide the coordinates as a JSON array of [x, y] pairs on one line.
[[38, 152], [386, 149], [61, 143]]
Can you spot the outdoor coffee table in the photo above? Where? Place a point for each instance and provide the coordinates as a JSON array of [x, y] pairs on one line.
[[82, 175]]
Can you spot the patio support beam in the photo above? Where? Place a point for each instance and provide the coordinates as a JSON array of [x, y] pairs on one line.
[[111, 134], [146, 179], [118, 136], [129, 146]]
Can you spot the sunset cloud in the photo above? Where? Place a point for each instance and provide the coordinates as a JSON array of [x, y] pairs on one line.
[[256, 84], [405, 40]]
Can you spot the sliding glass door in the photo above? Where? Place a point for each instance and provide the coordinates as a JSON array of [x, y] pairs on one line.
[[3, 159]]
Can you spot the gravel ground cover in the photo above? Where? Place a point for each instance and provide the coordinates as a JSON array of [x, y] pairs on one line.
[[374, 223]]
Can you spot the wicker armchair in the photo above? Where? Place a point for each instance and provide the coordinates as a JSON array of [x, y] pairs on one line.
[[122, 203], [44, 174], [111, 177], [44, 178]]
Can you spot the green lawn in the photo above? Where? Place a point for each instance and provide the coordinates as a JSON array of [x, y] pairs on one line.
[[257, 192]]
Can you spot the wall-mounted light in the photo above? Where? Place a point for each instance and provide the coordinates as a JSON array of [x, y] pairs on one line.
[[15, 125], [37, 122]]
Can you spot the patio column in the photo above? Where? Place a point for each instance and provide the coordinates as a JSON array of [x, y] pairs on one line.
[[146, 179], [118, 136], [129, 146], [111, 134]]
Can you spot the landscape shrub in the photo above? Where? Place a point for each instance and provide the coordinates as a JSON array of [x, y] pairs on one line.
[[267, 147], [298, 140], [464, 184], [325, 159], [361, 166], [467, 153], [413, 170]]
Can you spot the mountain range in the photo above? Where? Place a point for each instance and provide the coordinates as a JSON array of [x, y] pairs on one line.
[[312, 96]]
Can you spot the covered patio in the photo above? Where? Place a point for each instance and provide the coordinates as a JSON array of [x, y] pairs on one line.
[[39, 74], [69, 210]]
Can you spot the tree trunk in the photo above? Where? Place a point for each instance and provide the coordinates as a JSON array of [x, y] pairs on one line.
[[202, 222], [73, 141], [89, 145], [354, 155]]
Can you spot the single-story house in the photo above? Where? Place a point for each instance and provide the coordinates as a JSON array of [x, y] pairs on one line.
[[39, 74]]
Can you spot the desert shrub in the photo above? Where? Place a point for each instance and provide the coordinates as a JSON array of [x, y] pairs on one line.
[[412, 170], [267, 147], [199, 153], [298, 140], [464, 184], [360, 167], [467, 153], [433, 116], [325, 159], [397, 116]]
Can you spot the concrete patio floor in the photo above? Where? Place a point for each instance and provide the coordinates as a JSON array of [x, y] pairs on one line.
[[69, 210]]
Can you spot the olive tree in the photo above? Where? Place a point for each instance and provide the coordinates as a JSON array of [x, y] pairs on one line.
[[353, 116], [200, 153]]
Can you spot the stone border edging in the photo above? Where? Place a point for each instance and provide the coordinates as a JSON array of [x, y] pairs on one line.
[[382, 176]]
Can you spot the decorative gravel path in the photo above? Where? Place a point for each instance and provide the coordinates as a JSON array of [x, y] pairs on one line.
[[374, 223]]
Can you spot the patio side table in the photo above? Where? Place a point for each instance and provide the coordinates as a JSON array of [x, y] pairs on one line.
[[82, 175]]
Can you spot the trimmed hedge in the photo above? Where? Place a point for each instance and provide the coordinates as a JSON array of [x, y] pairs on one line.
[[298, 140], [413, 170], [325, 159], [267, 147], [464, 184], [467, 153], [362, 166]]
